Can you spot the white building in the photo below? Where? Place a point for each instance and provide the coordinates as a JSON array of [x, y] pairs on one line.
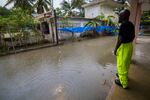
[[96, 7], [47, 20]]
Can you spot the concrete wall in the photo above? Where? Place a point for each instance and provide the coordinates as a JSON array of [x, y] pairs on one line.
[[76, 22], [63, 35], [92, 11], [106, 10]]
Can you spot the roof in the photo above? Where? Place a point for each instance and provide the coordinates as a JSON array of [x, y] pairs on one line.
[[93, 3], [44, 15], [80, 18], [110, 3], [75, 18]]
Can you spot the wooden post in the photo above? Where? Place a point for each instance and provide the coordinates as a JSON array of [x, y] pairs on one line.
[[12, 42], [55, 21]]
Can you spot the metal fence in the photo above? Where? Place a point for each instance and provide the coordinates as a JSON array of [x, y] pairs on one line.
[[14, 40]]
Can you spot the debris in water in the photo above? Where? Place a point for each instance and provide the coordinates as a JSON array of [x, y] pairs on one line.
[[59, 89]]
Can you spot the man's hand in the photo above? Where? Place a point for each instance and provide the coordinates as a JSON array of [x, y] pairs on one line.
[[117, 45], [115, 52]]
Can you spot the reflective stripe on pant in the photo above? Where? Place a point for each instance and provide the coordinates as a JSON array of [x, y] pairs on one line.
[[124, 55]]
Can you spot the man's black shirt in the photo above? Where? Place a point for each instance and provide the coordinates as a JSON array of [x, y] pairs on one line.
[[127, 32]]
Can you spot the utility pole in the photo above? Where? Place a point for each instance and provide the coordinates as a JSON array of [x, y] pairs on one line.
[[55, 21]]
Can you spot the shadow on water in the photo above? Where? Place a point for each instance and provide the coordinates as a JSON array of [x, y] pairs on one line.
[[76, 71]]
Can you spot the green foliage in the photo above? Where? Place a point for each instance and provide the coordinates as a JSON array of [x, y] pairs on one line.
[[145, 19], [102, 20], [78, 5], [17, 18], [68, 7], [65, 22], [92, 23], [23, 4], [109, 20], [31, 5], [4, 11], [101, 17], [59, 12], [72, 8], [42, 5]]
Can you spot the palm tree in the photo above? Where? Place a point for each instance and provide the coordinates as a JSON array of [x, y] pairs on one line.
[[42, 6], [102, 18], [4, 11], [70, 7], [93, 24], [23, 4], [59, 12], [78, 4], [106, 20], [110, 19]]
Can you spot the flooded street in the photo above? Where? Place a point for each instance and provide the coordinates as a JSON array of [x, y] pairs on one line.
[[74, 71]]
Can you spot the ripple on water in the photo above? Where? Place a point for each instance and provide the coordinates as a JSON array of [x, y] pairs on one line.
[[69, 72]]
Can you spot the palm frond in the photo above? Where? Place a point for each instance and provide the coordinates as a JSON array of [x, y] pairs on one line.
[[92, 24], [8, 2]]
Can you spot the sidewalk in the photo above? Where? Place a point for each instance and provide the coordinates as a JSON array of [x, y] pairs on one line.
[[139, 75]]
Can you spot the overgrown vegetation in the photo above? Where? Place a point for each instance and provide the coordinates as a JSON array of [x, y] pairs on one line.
[[94, 23], [145, 19], [38, 6], [16, 26], [16, 18], [102, 20], [71, 8], [68, 7]]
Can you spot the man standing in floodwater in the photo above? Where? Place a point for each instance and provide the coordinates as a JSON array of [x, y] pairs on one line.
[[124, 48]]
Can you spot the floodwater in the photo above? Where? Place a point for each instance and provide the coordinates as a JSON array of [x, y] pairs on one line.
[[74, 71]]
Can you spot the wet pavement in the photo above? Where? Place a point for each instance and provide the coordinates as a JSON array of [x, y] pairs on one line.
[[139, 75], [74, 71]]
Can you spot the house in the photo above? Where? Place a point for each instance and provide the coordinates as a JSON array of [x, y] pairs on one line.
[[96, 7], [48, 30]]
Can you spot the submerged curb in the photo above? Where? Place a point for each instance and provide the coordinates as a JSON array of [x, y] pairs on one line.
[[29, 49]]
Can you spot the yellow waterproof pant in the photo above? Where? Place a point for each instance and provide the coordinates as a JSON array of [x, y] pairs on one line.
[[124, 55]]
